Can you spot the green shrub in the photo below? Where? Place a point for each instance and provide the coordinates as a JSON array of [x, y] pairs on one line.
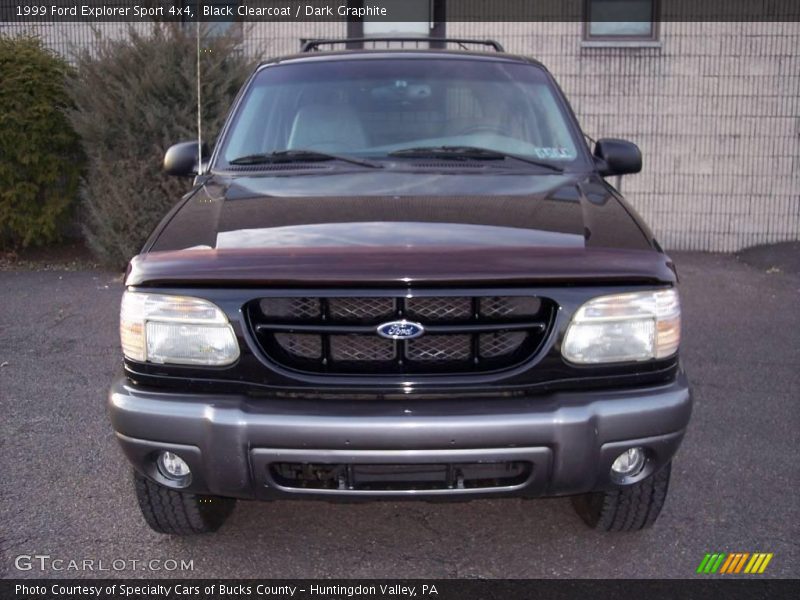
[[135, 97], [40, 162]]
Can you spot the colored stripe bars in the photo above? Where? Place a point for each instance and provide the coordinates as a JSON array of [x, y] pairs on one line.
[[737, 562]]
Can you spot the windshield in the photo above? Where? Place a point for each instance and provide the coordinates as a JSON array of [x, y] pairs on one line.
[[373, 108]]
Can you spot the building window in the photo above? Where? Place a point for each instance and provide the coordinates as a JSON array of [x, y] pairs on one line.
[[218, 26], [620, 20], [422, 18]]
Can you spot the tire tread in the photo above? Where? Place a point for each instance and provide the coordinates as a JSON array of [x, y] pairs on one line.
[[628, 508], [179, 513]]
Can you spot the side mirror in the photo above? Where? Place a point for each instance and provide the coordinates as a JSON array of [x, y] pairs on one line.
[[617, 157], [181, 159]]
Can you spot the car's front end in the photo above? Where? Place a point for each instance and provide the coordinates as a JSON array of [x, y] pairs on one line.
[[270, 381], [383, 324]]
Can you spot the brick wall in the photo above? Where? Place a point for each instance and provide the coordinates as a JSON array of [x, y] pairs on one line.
[[715, 109]]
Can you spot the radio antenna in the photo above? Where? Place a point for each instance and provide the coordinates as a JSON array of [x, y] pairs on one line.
[[199, 102]]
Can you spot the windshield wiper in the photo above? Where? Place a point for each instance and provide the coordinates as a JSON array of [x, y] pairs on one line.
[[469, 152], [290, 156]]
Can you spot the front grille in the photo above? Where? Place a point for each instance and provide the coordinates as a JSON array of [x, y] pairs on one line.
[[338, 334]]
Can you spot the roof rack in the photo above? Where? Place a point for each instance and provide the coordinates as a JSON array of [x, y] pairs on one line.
[[314, 45]]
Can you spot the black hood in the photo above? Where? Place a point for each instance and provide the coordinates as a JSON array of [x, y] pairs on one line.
[[370, 209]]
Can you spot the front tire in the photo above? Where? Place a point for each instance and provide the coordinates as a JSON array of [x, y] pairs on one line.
[[629, 508], [180, 513]]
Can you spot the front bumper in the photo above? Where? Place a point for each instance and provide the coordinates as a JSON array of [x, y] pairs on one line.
[[230, 442]]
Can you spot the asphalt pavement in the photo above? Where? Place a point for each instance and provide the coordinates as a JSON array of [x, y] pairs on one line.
[[65, 489]]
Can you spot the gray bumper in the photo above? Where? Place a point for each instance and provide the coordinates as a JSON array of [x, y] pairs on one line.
[[229, 441]]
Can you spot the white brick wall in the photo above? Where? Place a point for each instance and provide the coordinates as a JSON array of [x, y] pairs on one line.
[[715, 110]]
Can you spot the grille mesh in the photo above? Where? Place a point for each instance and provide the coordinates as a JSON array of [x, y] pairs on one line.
[[361, 308], [361, 348], [500, 343], [510, 306], [291, 308], [304, 346], [439, 309], [440, 348]]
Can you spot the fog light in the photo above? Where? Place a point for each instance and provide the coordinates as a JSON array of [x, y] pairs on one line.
[[173, 467], [629, 464]]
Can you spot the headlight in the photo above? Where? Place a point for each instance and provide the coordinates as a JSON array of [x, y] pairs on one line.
[[175, 329], [624, 327]]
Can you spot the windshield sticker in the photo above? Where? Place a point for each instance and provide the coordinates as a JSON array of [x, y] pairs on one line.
[[554, 153]]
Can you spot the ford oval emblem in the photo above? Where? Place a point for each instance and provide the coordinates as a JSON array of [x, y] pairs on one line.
[[400, 330]]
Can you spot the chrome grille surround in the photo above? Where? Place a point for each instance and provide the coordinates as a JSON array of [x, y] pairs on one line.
[[338, 334]]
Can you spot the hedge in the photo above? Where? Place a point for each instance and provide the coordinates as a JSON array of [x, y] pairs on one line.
[[41, 159], [134, 97]]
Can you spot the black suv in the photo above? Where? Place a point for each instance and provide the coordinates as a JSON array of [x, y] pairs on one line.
[[400, 274]]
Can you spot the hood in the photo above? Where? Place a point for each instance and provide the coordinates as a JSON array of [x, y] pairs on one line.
[[394, 227]]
